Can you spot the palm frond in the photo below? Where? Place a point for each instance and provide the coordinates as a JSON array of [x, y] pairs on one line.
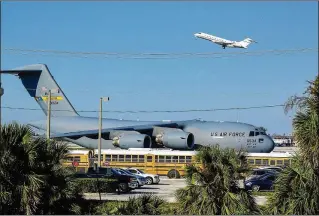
[[213, 187]]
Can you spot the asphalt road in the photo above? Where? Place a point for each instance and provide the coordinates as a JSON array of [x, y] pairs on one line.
[[164, 189]]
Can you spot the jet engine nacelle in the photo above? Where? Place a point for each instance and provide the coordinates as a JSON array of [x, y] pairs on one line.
[[130, 139], [174, 138]]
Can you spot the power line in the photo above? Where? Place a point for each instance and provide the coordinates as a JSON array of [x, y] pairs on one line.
[[154, 111], [157, 55]]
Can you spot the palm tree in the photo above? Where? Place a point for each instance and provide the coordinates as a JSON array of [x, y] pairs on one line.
[[306, 122], [32, 179], [213, 187], [297, 187], [146, 204]]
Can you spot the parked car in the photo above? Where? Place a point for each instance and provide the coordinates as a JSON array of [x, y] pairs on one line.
[[260, 172], [150, 178], [140, 179], [81, 175], [126, 182], [278, 169], [262, 182]]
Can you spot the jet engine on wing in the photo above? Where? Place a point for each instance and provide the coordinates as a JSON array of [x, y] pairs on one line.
[[130, 139], [173, 138]]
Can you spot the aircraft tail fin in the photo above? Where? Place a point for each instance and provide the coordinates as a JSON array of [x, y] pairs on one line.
[[37, 80], [246, 42]]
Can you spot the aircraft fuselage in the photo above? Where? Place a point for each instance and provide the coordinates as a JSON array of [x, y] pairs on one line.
[[226, 134]]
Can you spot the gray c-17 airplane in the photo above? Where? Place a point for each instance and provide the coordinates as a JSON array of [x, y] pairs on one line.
[[68, 125]]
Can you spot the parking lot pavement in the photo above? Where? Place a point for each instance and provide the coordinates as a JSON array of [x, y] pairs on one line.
[[164, 189]]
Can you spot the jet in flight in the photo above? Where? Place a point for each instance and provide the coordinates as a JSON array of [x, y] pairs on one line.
[[66, 124], [224, 42]]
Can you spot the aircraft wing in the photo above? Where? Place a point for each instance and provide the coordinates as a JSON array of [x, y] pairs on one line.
[[105, 132], [226, 43]]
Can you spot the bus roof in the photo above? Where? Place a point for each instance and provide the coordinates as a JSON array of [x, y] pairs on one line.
[[170, 152]]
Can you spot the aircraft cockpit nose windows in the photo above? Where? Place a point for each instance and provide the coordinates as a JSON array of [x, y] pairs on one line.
[[251, 133], [256, 133]]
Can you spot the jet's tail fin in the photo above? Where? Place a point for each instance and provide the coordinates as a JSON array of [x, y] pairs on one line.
[[247, 41], [37, 80]]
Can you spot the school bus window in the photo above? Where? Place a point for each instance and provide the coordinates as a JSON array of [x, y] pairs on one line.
[[258, 161], [272, 162], [114, 157], [188, 159], [182, 159], [279, 162], [161, 159], [156, 158], [134, 158], [69, 159], [265, 161], [149, 158], [77, 158], [107, 157], [168, 159], [121, 158], [96, 156], [286, 162], [141, 158], [251, 161], [128, 158], [175, 159]]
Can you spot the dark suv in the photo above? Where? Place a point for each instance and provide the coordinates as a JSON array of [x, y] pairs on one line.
[[260, 172], [126, 182], [262, 182]]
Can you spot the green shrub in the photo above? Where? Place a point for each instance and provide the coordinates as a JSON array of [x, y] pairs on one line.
[[169, 209], [145, 204], [92, 185], [108, 208]]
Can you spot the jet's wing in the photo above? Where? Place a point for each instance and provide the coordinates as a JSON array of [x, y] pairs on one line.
[[223, 43], [105, 132]]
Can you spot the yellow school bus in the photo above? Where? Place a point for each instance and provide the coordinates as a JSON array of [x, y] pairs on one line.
[[159, 161], [269, 159]]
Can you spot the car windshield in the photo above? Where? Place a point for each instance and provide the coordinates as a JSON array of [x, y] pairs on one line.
[[267, 177], [140, 171], [124, 171], [116, 171]]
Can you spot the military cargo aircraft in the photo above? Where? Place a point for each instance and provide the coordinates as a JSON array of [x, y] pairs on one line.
[[68, 125]]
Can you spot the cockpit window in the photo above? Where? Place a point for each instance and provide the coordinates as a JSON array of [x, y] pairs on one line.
[[251, 133], [263, 133], [256, 133]]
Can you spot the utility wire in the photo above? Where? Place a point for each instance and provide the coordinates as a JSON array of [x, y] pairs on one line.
[[154, 111], [156, 55]]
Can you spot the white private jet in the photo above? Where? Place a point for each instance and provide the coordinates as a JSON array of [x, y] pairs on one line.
[[223, 42]]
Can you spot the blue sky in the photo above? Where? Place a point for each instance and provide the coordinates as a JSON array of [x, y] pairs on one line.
[[167, 84]]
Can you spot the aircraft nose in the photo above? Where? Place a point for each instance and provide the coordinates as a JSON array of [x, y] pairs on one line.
[[270, 144]]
